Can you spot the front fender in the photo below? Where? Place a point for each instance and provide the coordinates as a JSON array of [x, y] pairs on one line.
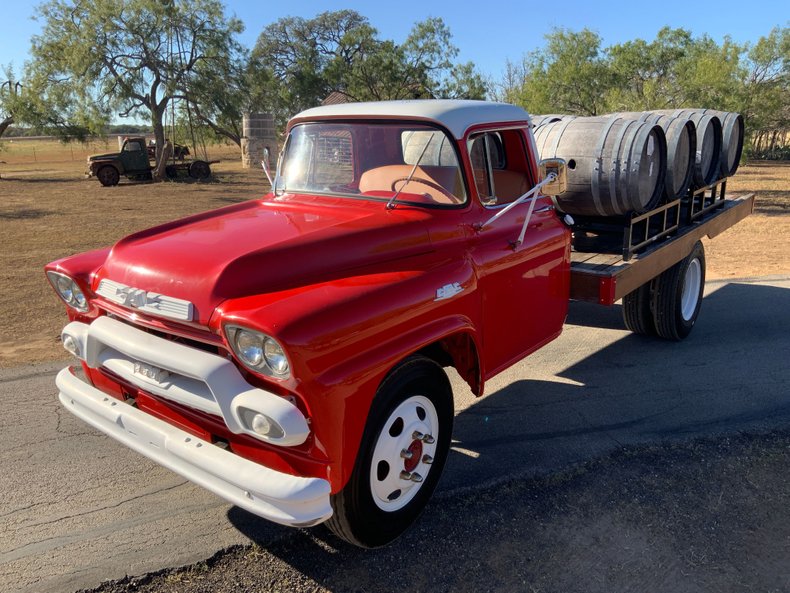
[[343, 337]]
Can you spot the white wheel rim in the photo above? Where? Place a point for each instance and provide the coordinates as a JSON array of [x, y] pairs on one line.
[[692, 282], [391, 491]]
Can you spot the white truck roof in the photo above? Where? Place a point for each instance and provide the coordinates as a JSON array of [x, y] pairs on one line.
[[455, 115]]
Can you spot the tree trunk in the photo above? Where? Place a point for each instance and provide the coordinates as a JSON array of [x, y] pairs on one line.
[[5, 123], [159, 137]]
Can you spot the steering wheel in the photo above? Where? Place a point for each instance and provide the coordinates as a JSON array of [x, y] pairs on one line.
[[429, 183]]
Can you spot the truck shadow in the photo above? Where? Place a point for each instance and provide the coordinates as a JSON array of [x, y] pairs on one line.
[[567, 406]]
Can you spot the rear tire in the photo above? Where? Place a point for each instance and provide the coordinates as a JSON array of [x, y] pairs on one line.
[[108, 176], [398, 465], [637, 311], [199, 170], [677, 297]]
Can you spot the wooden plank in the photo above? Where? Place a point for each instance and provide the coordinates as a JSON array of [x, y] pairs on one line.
[[601, 262], [607, 284], [581, 256]]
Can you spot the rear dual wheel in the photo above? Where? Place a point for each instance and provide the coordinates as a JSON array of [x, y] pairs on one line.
[[401, 456], [668, 305], [637, 311], [678, 296]]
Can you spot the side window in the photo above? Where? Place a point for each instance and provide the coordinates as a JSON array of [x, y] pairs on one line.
[[478, 154], [500, 166], [132, 147]]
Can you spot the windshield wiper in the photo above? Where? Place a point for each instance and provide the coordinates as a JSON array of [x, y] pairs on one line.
[[391, 203]]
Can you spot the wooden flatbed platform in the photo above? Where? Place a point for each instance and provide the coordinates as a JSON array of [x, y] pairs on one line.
[[606, 278]]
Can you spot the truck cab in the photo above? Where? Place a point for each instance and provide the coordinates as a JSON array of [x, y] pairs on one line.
[[132, 161]]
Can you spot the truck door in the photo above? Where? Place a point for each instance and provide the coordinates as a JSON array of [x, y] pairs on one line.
[[134, 156], [524, 288]]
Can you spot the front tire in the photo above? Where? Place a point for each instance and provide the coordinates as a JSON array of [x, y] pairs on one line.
[[678, 295], [108, 176], [400, 460]]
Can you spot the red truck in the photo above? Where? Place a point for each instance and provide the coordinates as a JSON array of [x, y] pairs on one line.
[[288, 353]]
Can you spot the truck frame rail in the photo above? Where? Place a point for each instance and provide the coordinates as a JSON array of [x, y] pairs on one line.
[[605, 278]]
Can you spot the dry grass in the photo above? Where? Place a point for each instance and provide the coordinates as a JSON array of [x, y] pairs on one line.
[[48, 210], [759, 245]]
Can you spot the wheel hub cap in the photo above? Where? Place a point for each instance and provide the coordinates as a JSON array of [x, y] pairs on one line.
[[403, 453], [411, 463]]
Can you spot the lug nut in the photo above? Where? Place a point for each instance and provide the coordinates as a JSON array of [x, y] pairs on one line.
[[425, 438], [427, 459], [406, 454], [410, 477]]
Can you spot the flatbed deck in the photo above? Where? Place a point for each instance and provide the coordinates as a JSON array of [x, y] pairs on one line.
[[605, 278]]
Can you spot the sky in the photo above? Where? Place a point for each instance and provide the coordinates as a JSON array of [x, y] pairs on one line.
[[487, 33]]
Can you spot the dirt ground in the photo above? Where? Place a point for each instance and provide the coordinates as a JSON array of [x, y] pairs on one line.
[[49, 210], [701, 517]]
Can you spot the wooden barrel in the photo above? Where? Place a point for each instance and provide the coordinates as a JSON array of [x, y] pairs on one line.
[[707, 165], [539, 120], [615, 165], [732, 140], [681, 136]]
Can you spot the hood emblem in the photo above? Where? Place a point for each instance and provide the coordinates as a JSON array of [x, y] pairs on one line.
[[148, 302], [132, 297]]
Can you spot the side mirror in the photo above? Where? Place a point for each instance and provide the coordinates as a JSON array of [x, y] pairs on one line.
[[560, 169]]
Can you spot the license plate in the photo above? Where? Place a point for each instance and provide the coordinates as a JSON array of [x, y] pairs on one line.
[[150, 372]]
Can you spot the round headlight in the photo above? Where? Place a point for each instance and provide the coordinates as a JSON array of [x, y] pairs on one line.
[[275, 357], [68, 290], [249, 345], [258, 351], [64, 286]]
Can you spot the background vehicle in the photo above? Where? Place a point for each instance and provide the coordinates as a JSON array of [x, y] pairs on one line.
[[134, 162], [287, 353]]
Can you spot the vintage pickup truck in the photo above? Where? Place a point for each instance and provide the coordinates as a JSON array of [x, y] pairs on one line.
[[288, 352]]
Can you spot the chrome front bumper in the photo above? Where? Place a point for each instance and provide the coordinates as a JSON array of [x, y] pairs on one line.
[[278, 497], [188, 376]]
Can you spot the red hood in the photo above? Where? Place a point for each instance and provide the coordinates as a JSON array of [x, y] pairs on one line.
[[263, 246]]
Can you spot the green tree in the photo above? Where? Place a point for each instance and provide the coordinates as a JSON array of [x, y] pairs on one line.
[[571, 74], [767, 89], [288, 69], [10, 89], [21, 103], [297, 62], [100, 57], [646, 74]]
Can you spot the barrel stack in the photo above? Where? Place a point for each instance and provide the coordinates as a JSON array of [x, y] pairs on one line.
[[707, 166], [631, 162]]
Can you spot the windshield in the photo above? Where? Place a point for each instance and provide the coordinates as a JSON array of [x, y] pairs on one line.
[[378, 161]]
